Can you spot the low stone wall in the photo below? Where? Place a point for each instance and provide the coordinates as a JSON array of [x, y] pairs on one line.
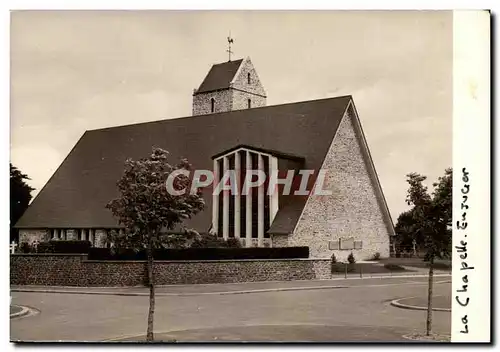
[[76, 270]]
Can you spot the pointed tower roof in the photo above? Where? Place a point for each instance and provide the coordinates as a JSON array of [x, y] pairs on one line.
[[219, 76]]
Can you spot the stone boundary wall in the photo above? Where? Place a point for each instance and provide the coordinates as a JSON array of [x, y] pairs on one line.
[[76, 270]]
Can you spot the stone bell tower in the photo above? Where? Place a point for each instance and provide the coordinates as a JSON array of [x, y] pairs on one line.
[[231, 85]]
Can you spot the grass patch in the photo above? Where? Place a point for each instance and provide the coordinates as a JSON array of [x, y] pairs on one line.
[[443, 264], [341, 268], [394, 267], [440, 266], [365, 268]]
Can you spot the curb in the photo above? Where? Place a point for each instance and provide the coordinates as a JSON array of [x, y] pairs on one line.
[[383, 276], [24, 311], [110, 293], [397, 304]]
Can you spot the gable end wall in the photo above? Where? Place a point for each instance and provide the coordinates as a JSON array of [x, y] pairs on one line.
[[353, 209], [240, 81]]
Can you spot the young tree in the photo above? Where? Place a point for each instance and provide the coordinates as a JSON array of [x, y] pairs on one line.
[[406, 229], [432, 214], [145, 209], [20, 197]]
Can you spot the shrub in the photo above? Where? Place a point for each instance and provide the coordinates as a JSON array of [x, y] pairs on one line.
[[45, 247], [333, 264], [394, 267], [351, 258], [25, 247], [212, 241], [376, 256], [334, 258], [201, 253], [233, 243], [71, 246], [59, 246]]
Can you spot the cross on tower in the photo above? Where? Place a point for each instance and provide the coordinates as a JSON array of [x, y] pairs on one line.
[[229, 42]]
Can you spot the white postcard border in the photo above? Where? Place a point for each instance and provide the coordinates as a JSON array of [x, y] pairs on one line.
[[471, 178]]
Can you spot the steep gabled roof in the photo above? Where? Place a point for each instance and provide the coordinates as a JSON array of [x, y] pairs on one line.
[[288, 215], [76, 195], [219, 76]]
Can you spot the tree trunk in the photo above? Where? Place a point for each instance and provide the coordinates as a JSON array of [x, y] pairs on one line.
[[149, 335], [428, 326]]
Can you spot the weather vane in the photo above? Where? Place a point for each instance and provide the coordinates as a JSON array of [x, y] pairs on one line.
[[229, 42]]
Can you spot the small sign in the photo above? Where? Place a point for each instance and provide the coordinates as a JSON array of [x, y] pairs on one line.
[[347, 243], [332, 245]]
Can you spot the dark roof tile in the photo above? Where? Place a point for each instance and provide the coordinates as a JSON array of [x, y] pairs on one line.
[[76, 195], [219, 76]]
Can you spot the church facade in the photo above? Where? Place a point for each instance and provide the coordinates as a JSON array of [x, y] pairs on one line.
[[232, 128]]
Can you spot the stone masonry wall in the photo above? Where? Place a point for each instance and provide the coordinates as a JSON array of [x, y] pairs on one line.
[[100, 238], [240, 100], [242, 90], [279, 240], [75, 270], [202, 102], [72, 235], [42, 235], [351, 211], [32, 235], [240, 82]]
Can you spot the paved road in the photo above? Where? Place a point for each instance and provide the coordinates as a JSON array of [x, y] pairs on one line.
[[358, 312]]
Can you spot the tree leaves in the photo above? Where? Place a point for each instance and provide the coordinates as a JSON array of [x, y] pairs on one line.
[[431, 215], [20, 197], [407, 229], [145, 208]]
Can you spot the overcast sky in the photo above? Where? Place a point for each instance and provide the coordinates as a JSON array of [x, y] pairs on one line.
[[75, 71]]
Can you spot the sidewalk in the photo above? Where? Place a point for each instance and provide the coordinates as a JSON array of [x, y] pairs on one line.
[[409, 271], [234, 288]]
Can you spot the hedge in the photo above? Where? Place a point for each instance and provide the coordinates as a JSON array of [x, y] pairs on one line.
[[59, 246], [201, 253], [212, 241]]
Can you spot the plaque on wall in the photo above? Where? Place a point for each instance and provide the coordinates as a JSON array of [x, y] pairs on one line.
[[347, 243]]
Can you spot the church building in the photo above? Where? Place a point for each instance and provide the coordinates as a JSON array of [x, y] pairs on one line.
[[232, 128]]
